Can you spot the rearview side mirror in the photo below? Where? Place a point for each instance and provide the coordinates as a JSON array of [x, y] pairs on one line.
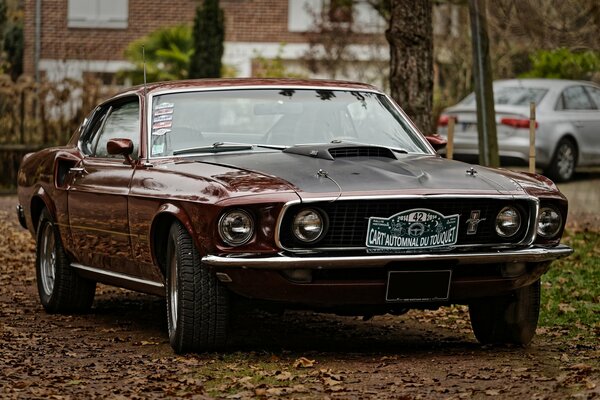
[[122, 147], [437, 142]]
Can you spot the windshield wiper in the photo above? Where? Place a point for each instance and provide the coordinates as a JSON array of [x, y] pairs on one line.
[[216, 147], [220, 147]]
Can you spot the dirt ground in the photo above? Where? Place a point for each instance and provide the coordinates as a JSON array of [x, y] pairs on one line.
[[120, 350]]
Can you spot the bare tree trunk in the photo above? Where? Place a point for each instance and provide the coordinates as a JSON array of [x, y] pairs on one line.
[[484, 94], [410, 36]]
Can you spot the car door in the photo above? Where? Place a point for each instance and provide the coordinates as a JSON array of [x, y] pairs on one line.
[[98, 192], [594, 122], [577, 107]]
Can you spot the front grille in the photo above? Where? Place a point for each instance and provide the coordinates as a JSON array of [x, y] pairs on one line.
[[367, 151], [348, 219]]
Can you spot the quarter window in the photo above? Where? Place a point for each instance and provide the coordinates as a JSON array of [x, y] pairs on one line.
[[118, 121]]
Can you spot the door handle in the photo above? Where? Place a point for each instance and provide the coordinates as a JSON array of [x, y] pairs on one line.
[[78, 170], [578, 124]]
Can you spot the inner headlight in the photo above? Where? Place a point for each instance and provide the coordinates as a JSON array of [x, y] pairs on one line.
[[549, 222], [308, 225], [236, 227], [508, 222]]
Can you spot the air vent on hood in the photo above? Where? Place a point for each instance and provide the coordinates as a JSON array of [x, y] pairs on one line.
[[361, 151]]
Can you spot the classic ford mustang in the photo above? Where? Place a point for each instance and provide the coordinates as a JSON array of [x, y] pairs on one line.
[[300, 193]]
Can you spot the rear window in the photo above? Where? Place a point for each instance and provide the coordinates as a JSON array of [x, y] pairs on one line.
[[513, 96]]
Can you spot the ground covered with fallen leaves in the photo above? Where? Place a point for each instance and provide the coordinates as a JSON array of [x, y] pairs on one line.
[[120, 349]]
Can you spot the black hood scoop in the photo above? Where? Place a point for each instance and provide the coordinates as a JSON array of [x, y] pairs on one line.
[[330, 151]]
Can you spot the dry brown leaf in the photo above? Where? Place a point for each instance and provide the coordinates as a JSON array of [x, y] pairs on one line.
[[565, 308], [331, 382], [492, 392], [304, 362], [284, 376]]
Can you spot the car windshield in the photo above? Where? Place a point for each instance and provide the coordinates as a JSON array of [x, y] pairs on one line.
[[250, 119], [512, 96]]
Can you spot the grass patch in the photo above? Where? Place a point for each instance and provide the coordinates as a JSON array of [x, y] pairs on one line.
[[236, 372], [571, 289]]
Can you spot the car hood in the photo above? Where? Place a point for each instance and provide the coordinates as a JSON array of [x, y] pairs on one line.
[[312, 176]]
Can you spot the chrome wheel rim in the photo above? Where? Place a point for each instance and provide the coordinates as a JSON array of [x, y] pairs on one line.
[[173, 293], [565, 160], [48, 259]]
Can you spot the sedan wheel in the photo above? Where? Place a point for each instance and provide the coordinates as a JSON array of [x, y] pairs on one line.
[[60, 289], [563, 163], [507, 319], [197, 303]]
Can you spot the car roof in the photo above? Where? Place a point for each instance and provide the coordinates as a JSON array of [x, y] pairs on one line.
[[156, 87], [547, 83]]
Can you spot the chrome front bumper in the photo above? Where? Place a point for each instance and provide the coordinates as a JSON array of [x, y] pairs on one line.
[[21, 216], [282, 261]]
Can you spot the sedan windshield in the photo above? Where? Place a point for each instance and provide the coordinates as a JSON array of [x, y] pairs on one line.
[[250, 119]]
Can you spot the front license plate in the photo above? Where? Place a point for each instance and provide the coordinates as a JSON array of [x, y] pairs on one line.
[[415, 229], [418, 286]]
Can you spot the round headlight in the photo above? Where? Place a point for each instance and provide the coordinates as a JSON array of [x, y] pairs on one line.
[[549, 222], [508, 222], [236, 227], [308, 225]]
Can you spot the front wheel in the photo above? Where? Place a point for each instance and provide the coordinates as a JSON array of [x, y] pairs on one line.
[[60, 289], [197, 303], [507, 319]]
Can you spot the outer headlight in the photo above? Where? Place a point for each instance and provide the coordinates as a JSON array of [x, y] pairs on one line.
[[508, 222], [236, 227], [549, 222], [308, 225]]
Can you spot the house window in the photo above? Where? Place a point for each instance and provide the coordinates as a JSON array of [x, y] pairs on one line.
[[111, 14], [340, 11]]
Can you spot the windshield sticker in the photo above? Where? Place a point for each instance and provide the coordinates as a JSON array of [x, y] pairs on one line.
[[158, 148], [161, 132], [415, 229], [163, 111], [162, 118], [161, 125], [164, 105]]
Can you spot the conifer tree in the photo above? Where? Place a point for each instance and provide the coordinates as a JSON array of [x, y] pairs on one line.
[[208, 35]]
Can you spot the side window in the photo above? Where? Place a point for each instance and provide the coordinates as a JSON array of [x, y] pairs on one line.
[[575, 98], [594, 94], [121, 121]]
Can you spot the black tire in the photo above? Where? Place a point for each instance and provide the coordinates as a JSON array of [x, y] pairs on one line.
[[562, 166], [197, 303], [60, 289], [508, 319]]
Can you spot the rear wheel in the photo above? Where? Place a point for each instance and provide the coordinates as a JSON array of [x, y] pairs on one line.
[[562, 167], [507, 319], [60, 289], [197, 303]]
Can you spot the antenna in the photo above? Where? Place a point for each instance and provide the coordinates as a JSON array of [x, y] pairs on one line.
[[144, 62]]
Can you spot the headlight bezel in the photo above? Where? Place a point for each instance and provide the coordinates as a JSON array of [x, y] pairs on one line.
[[499, 231], [324, 225], [227, 237]]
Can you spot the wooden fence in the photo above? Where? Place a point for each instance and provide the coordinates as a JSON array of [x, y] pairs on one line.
[[36, 115]]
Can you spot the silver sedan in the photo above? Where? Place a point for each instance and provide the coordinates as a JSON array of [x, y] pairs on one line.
[[568, 124]]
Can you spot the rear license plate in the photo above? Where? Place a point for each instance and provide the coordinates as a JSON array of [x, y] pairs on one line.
[[418, 286]]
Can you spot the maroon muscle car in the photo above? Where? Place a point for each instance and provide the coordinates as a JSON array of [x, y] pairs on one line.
[[315, 194]]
